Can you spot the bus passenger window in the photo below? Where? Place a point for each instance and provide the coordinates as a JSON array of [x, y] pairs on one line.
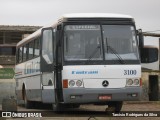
[[17, 56], [20, 54], [25, 52], [36, 47], [30, 53]]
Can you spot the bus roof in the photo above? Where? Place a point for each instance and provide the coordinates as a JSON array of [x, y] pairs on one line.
[[74, 15], [95, 15], [29, 38]]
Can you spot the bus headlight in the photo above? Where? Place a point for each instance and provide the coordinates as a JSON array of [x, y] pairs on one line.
[[71, 83], [75, 83], [136, 82], [78, 83], [133, 82], [129, 82]]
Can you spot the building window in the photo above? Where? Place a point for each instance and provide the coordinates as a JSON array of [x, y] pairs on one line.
[[7, 51]]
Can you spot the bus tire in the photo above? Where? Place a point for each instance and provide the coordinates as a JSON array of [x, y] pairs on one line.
[[74, 105], [57, 107], [27, 104], [115, 106]]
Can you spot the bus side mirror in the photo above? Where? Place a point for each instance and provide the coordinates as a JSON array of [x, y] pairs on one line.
[[149, 55], [59, 27], [140, 38]]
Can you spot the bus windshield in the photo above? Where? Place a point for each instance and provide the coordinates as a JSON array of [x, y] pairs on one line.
[[84, 42], [120, 39]]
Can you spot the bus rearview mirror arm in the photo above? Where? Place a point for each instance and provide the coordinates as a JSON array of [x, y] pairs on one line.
[[140, 38]]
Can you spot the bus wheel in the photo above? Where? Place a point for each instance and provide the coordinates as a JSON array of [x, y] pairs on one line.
[[115, 106], [27, 104], [72, 105], [57, 107], [75, 106]]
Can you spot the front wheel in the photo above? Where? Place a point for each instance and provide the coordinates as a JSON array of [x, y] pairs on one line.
[[115, 106], [57, 107], [72, 105]]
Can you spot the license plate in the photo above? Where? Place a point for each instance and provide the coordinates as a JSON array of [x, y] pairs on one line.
[[105, 97]]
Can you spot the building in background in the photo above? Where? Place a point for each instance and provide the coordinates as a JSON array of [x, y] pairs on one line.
[[9, 37]]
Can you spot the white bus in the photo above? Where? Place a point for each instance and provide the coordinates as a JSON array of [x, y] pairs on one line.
[[80, 59]]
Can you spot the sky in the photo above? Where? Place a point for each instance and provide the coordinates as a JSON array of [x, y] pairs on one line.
[[40, 12]]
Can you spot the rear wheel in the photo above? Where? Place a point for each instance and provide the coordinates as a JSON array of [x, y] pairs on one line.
[[115, 106], [27, 104]]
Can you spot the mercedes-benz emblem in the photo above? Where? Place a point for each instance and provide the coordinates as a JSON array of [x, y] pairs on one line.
[[105, 83]]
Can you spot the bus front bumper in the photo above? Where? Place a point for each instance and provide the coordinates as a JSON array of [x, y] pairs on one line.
[[84, 95]]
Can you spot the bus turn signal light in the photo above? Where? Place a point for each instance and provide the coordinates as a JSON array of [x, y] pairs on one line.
[[140, 81], [65, 83]]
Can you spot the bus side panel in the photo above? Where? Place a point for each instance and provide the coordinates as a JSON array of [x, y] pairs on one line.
[[19, 92], [28, 80], [33, 88], [48, 88], [30, 85]]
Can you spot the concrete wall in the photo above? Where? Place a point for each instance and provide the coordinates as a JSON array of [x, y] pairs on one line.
[[145, 83], [7, 88]]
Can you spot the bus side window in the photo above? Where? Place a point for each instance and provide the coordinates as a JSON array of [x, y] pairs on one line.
[[30, 51], [25, 52], [20, 54], [36, 47], [17, 55]]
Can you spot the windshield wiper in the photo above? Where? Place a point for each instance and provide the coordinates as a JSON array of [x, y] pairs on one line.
[[93, 54], [114, 52]]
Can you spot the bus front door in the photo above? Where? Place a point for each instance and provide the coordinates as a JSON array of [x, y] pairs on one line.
[[48, 88], [47, 66]]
